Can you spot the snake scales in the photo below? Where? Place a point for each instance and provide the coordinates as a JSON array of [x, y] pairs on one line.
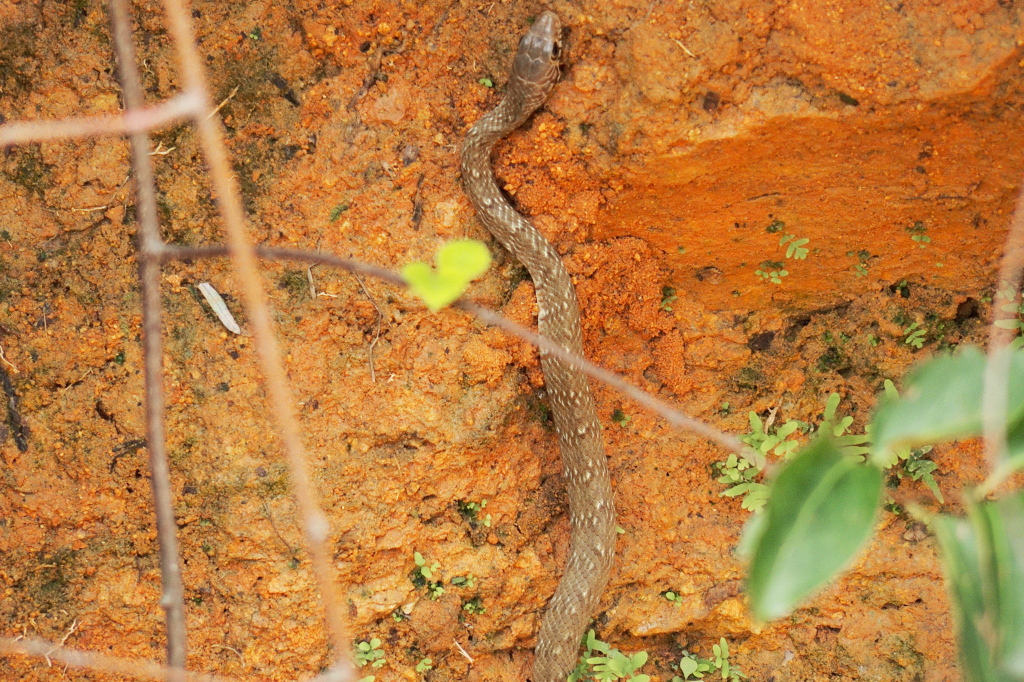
[[591, 507]]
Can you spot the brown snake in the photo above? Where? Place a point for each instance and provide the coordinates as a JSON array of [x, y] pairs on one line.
[[591, 507]]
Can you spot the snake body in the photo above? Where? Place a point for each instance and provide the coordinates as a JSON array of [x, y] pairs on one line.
[[585, 470]]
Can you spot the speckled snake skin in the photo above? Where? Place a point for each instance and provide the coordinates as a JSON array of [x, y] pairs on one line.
[[591, 507]]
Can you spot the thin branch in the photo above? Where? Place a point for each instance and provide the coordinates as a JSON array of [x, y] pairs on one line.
[[994, 399], [173, 598], [376, 331], [178, 108], [139, 669], [314, 522], [671, 414]]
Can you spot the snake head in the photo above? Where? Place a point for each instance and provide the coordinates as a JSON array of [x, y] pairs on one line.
[[537, 61]]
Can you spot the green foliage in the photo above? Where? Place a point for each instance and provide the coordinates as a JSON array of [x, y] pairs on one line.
[[471, 512], [621, 418], [369, 652], [467, 580], [775, 227], [771, 271], [486, 82], [668, 295], [609, 664], [673, 597], [424, 665], [917, 232], [821, 508], [796, 248], [474, 606], [915, 335], [822, 504], [458, 263], [694, 668], [424, 576], [427, 571]]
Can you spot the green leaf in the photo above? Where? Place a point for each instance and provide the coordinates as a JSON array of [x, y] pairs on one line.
[[820, 510], [942, 401], [458, 262], [1001, 524], [960, 556], [688, 666]]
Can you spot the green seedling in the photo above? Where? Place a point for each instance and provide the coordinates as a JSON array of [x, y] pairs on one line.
[[673, 597], [917, 232], [796, 248], [771, 271], [474, 606], [471, 512], [427, 571], [424, 665], [695, 668], [668, 294], [621, 418], [369, 653], [915, 335], [464, 581], [458, 263], [609, 665]]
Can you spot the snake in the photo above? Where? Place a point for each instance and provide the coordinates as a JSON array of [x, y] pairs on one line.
[[535, 71]]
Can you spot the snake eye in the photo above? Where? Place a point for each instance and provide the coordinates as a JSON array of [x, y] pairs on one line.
[[556, 49]]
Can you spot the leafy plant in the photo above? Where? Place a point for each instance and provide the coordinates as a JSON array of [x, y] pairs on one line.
[[471, 512], [423, 576], [424, 665], [915, 335], [621, 418], [673, 597], [917, 232], [427, 571], [771, 271], [369, 652], [610, 664], [822, 506], [668, 295], [474, 606], [694, 668], [796, 248], [464, 581], [459, 262]]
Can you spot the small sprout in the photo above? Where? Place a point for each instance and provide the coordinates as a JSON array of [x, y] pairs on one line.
[[915, 335], [725, 408], [424, 665], [917, 233], [668, 294], [398, 615], [255, 34], [474, 606], [464, 581], [458, 262], [486, 82], [673, 597], [621, 418], [620, 530], [771, 271], [796, 246], [369, 652], [435, 590], [860, 270], [776, 226], [680, 249], [471, 512], [425, 570]]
